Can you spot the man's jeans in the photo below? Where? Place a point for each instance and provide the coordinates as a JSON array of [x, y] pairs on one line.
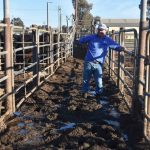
[[95, 69]]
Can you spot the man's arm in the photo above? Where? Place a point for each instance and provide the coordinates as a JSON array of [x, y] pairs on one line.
[[115, 46], [120, 48], [85, 39]]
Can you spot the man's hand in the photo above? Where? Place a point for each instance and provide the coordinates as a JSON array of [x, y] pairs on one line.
[[122, 48]]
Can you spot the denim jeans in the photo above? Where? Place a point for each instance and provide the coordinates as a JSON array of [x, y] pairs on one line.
[[95, 69]]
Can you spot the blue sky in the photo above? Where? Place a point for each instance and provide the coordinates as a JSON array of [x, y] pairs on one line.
[[35, 11], [116, 8]]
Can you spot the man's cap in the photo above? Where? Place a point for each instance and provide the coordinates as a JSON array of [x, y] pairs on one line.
[[102, 26]]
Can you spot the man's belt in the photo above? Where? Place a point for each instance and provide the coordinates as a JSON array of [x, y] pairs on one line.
[[97, 62]]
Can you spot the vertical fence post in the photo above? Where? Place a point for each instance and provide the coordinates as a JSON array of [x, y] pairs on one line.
[[70, 44], [42, 51], [58, 49], [121, 63], [135, 74], [109, 62], [47, 49], [65, 48], [137, 106], [52, 52], [147, 89], [122, 57], [61, 49], [112, 56], [118, 73], [142, 38], [35, 55], [13, 78], [9, 57], [0, 51], [24, 60], [38, 67], [49, 52]]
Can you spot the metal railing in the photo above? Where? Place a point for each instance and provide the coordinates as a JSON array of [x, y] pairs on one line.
[[122, 65], [123, 69], [147, 88], [36, 55]]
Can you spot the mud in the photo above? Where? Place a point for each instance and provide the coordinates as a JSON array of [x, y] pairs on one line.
[[57, 117]]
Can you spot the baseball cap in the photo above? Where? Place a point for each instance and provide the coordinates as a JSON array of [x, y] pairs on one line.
[[102, 26]]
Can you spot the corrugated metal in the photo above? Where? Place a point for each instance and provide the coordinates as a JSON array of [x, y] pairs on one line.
[[121, 22]]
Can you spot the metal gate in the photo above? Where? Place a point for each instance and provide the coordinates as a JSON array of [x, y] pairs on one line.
[[123, 69], [35, 54]]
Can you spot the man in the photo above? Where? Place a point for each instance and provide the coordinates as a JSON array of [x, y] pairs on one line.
[[98, 45]]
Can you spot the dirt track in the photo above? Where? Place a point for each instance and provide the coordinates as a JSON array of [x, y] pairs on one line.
[[57, 117]]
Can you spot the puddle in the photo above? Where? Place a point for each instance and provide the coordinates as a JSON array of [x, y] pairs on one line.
[[73, 78], [103, 102], [104, 98], [114, 113], [21, 124], [125, 137], [92, 93], [56, 106], [30, 124], [23, 132], [67, 126], [67, 98], [28, 117], [54, 131], [34, 140], [113, 123], [17, 113]]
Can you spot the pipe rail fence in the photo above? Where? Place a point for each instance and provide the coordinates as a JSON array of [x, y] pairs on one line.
[[35, 56], [123, 70]]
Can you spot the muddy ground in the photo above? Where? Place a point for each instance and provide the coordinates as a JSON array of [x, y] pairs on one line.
[[56, 117]]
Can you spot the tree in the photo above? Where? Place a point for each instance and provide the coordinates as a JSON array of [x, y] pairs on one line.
[[83, 8], [17, 22], [97, 20], [84, 16]]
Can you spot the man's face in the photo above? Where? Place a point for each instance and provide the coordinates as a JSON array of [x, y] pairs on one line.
[[101, 32]]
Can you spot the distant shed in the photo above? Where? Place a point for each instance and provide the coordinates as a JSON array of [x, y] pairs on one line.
[[116, 24]]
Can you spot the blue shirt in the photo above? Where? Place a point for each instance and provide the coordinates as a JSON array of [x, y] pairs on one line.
[[98, 47]]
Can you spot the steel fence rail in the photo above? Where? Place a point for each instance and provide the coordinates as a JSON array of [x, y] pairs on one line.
[[118, 71], [3, 53], [36, 56], [3, 79], [5, 91], [147, 89]]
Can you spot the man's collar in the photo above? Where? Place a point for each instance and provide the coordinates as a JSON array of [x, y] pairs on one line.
[[101, 37]]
